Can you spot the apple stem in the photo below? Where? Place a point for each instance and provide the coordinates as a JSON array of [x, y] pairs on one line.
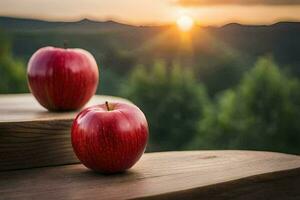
[[107, 106]]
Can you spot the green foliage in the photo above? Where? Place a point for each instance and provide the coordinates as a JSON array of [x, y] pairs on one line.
[[220, 72], [118, 61], [12, 71], [261, 114], [172, 101], [258, 110], [110, 82]]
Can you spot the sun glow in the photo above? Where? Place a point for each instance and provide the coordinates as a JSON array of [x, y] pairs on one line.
[[185, 23]]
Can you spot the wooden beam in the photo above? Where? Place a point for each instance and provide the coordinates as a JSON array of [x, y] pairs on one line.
[[190, 175]]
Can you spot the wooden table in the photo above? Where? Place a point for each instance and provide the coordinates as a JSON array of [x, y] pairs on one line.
[[30, 136], [37, 162], [170, 175]]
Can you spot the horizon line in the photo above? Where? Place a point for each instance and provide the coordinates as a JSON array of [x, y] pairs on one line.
[[123, 22]]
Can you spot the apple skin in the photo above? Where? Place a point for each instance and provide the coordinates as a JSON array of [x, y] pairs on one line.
[[110, 141], [62, 79]]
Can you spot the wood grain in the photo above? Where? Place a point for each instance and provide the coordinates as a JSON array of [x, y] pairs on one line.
[[170, 175], [30, 136]]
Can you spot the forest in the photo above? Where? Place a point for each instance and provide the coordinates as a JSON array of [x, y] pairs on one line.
[[229, 87]]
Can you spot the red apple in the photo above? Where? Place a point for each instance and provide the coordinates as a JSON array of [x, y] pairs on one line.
[[111, 137], [62, 79]]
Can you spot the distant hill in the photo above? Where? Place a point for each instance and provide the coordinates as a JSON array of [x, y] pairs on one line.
[[229, 49], [284, 25], [24, 24], [20, 24]]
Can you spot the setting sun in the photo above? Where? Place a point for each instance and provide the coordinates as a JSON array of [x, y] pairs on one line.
[[185, 23]]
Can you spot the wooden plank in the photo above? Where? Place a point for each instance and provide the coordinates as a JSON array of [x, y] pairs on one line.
[[24, 108], [30, 136], [168, 175]]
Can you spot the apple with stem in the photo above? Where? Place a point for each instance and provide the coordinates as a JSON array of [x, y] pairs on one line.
[[62, 79], [110, 137]]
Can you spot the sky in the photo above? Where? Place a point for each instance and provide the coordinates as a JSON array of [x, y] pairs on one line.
[[145, 12]]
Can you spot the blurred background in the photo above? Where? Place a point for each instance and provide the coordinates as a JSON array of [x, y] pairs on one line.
[[211, 74]]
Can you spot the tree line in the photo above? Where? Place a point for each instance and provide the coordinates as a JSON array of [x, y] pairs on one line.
[[259, 112]]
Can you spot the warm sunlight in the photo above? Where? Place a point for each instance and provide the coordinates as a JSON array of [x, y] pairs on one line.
[[185, 23]]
